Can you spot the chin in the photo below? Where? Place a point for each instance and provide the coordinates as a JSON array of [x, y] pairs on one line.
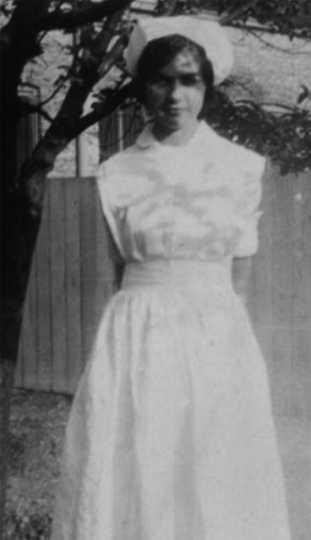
[[172, 124]]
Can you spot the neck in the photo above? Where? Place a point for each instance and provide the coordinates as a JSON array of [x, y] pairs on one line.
[[177, 137]]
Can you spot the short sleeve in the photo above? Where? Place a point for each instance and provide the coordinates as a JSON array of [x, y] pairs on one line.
[[248, 204], [106, 190]]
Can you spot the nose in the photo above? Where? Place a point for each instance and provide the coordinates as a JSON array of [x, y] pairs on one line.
[[175, 91]]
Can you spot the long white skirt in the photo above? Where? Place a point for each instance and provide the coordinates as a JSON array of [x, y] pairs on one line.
[[170, 435]]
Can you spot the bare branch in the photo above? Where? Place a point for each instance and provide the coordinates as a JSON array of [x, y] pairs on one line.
[[80, 17], [264, 104], [286, 50], [103, 39], [257, 28], [102, 110], [30, 109], [111, 57], [236, 13], [54, 92]]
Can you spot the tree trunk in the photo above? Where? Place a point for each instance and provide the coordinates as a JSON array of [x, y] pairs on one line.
[[18, 237], [22, 196], [21, 206]]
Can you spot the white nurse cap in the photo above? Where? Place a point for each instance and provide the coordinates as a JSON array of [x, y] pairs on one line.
[[209, 34]]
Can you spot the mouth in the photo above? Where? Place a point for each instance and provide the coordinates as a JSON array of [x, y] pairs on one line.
[[172, 111]]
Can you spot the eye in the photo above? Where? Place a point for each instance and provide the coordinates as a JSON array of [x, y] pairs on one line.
[[190, 79], [159, 81]]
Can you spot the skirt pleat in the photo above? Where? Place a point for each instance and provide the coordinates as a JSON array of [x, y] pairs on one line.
[[171, 435]]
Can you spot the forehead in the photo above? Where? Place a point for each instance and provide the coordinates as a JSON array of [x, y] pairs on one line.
[[184, 62]]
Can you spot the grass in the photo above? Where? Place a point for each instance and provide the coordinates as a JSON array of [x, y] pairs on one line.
[[38, 420]]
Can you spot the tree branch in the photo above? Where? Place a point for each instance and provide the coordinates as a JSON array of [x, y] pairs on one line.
[[236, 13], [103, 109], [82, 16], [54, 92], [30, 109], [290, 51], [261, 106], [111, 57], [257, 28], [99, 46]]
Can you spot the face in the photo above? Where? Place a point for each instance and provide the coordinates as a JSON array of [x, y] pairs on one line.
[[175, 96]]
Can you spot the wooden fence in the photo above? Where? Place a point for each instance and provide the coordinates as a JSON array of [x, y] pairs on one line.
[[72, 278], [70, 281], [280, 290]]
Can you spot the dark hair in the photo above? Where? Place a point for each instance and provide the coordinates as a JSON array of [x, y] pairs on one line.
[[160, 52]]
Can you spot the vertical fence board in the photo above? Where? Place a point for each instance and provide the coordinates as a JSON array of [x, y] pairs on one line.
[[301, 361], [88, 246], [27, 360], [72, 282], [281, 292], [121, 127], [104, 263], [58, 303], [260, 302], [28, 350], [43, 288]]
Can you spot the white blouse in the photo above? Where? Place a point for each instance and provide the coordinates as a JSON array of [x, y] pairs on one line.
[[195, 201]]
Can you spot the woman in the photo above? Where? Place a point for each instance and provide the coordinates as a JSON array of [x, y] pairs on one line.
[[171, 436]]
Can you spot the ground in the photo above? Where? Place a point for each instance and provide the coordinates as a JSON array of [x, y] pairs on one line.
[[37, 426]]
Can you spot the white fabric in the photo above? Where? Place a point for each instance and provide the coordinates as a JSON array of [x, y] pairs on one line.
[[171, 435], [209, 34], [197, 201]]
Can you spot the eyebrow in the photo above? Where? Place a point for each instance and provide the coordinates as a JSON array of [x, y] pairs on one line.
[[190, 74], [182, 74]]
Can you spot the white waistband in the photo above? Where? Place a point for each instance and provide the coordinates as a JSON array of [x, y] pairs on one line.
[[178, 273]]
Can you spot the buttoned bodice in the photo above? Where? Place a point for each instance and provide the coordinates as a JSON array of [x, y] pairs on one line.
[[195, 201]]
